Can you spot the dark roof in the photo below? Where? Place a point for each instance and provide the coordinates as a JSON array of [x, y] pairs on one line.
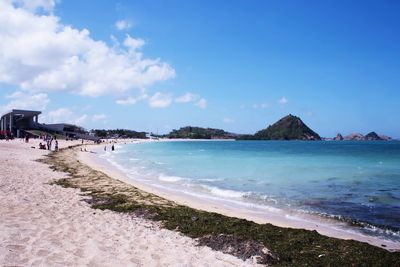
[[23, 112]]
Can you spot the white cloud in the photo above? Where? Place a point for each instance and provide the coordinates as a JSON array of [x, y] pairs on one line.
[[186, 98], [202, 103], [228, 120], [21, 100], [130, 100], [35, 5], [66, 115], [160, 100], [40, 54], [192, 98], [282, 101], [61, 115], [261, 106], [80, 120], [133, 44], [122, 25], [99, 117]]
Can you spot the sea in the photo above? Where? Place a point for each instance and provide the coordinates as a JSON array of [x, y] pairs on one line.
[[355, 182]]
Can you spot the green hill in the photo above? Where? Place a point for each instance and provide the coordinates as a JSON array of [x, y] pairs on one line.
[[287, 128], [118, 133], [190, 132]]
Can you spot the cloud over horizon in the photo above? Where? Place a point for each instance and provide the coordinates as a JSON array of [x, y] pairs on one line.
[[192, 98], [67, 115], [160, 100]]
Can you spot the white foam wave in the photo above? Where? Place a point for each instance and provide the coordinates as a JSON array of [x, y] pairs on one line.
[[225, 192], [171, 179], [209, 180]]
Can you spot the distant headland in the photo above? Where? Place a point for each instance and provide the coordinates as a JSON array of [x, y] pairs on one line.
[[289, 127]]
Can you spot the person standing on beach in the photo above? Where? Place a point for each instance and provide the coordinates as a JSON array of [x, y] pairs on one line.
[[56, 146], [105, 148], [112, 147]]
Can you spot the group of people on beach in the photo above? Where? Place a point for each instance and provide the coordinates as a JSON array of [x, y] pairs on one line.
[[48, 139]]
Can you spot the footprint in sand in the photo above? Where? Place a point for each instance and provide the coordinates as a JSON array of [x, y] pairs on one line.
[[42, 253], [155, 256], [143, 247], [15, 248], [79, 252]]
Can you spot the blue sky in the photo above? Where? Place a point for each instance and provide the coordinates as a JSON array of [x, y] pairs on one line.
[[236, 65]]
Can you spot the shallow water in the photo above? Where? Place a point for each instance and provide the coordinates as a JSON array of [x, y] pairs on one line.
[[355, 182]]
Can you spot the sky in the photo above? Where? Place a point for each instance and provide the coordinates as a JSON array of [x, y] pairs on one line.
[[237, 65]]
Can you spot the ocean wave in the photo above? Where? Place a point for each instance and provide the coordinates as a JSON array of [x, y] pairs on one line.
[[225, 192], [209, 179], [119, 151], [171, 179], [257, 197], [369, 228], [118, 166]]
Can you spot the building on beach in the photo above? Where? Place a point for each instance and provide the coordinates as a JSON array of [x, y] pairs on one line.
[[17, 123]]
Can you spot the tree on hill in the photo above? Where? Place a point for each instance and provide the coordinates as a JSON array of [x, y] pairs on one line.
[[190, 132], [121, 133]]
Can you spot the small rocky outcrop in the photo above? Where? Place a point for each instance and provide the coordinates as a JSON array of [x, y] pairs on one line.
[[373, 136], [338, 137], [354, 137], [385, 137]]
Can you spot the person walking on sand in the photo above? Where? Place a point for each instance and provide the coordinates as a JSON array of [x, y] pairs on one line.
[[56, 146], [105, 148], [112, 147]]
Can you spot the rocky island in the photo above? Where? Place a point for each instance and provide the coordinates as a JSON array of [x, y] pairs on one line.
[[372, 136], [289, 127]]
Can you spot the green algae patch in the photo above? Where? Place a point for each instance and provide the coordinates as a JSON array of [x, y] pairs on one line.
[[268, 244]]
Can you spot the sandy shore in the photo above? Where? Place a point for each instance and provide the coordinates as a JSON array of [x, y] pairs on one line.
[[48, 225], [326, 227]]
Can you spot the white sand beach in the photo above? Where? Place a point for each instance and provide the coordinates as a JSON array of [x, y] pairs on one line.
[[48, 225]]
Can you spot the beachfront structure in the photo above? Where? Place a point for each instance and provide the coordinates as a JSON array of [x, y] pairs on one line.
[[15, 121], [65, 129], [18, 122]]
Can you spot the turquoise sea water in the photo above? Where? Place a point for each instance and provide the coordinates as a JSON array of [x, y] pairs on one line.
[[355, 182]]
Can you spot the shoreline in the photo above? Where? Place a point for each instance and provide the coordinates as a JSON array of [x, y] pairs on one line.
[[45, 224], [244, 239], [260, 215]]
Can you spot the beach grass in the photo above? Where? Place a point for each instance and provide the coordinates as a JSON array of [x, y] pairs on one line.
[[271, 245]]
